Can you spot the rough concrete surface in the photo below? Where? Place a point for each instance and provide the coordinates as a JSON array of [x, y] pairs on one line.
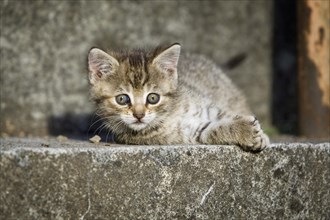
[[44, 47], [49, 179]]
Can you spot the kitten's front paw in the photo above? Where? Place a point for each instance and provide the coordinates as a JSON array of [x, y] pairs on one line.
[[252, 137]]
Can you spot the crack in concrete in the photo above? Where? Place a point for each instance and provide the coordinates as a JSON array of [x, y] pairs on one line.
[[206, 194], [89, 199]]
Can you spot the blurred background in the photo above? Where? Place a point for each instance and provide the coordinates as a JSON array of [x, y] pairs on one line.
[[276, 51]]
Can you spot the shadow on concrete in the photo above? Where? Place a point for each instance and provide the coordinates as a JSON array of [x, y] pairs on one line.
[[78, 127]]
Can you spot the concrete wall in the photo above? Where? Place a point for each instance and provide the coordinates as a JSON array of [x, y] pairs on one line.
[[48, 179], [44, 45]]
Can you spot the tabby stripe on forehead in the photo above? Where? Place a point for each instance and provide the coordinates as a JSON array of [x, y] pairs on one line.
[[135, 60], [138, 76], [146, 71], [137, 79]]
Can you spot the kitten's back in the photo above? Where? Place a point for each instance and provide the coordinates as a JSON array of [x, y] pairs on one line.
[[202, 76]]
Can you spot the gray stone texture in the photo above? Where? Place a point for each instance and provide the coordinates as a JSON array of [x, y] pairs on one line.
[[49, 179], [44, 45]]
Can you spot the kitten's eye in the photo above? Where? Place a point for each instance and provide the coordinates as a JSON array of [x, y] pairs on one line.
[[122, 99], [153, 98]]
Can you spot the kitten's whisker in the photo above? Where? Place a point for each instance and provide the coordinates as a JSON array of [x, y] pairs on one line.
[[100, 128], [116, 125], [106, 139], [100, 119], [112, 128], [103, 123], [89, 128], [98, 113]]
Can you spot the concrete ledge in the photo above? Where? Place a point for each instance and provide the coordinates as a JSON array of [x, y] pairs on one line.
[[48, 179]]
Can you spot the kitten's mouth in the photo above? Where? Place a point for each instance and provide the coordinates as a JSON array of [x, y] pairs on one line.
[[138, 125]]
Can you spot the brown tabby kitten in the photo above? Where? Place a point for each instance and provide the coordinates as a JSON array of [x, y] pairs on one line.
[[149, 97]]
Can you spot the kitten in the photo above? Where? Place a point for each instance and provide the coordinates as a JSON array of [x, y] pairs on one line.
[[149, 97]]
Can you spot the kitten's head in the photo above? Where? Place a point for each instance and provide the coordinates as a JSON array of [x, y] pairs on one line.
[[134, 89]]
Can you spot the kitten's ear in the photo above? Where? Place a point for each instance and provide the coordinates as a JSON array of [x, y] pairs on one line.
[[100, 65], [167, 60]]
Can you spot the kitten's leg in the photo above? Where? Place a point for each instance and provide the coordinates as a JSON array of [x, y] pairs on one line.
[[244, 131]]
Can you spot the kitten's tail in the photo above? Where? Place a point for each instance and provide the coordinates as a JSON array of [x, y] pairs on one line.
[[234, 61]]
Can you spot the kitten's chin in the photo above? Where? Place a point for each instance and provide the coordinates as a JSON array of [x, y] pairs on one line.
[[137, 126]]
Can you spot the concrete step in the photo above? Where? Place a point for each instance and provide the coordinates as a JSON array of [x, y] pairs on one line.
[[51, 179]]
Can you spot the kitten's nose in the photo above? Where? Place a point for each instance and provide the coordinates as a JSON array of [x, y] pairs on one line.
[[138, 115]]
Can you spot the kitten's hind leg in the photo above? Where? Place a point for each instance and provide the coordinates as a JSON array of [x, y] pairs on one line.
[[244, 131]]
